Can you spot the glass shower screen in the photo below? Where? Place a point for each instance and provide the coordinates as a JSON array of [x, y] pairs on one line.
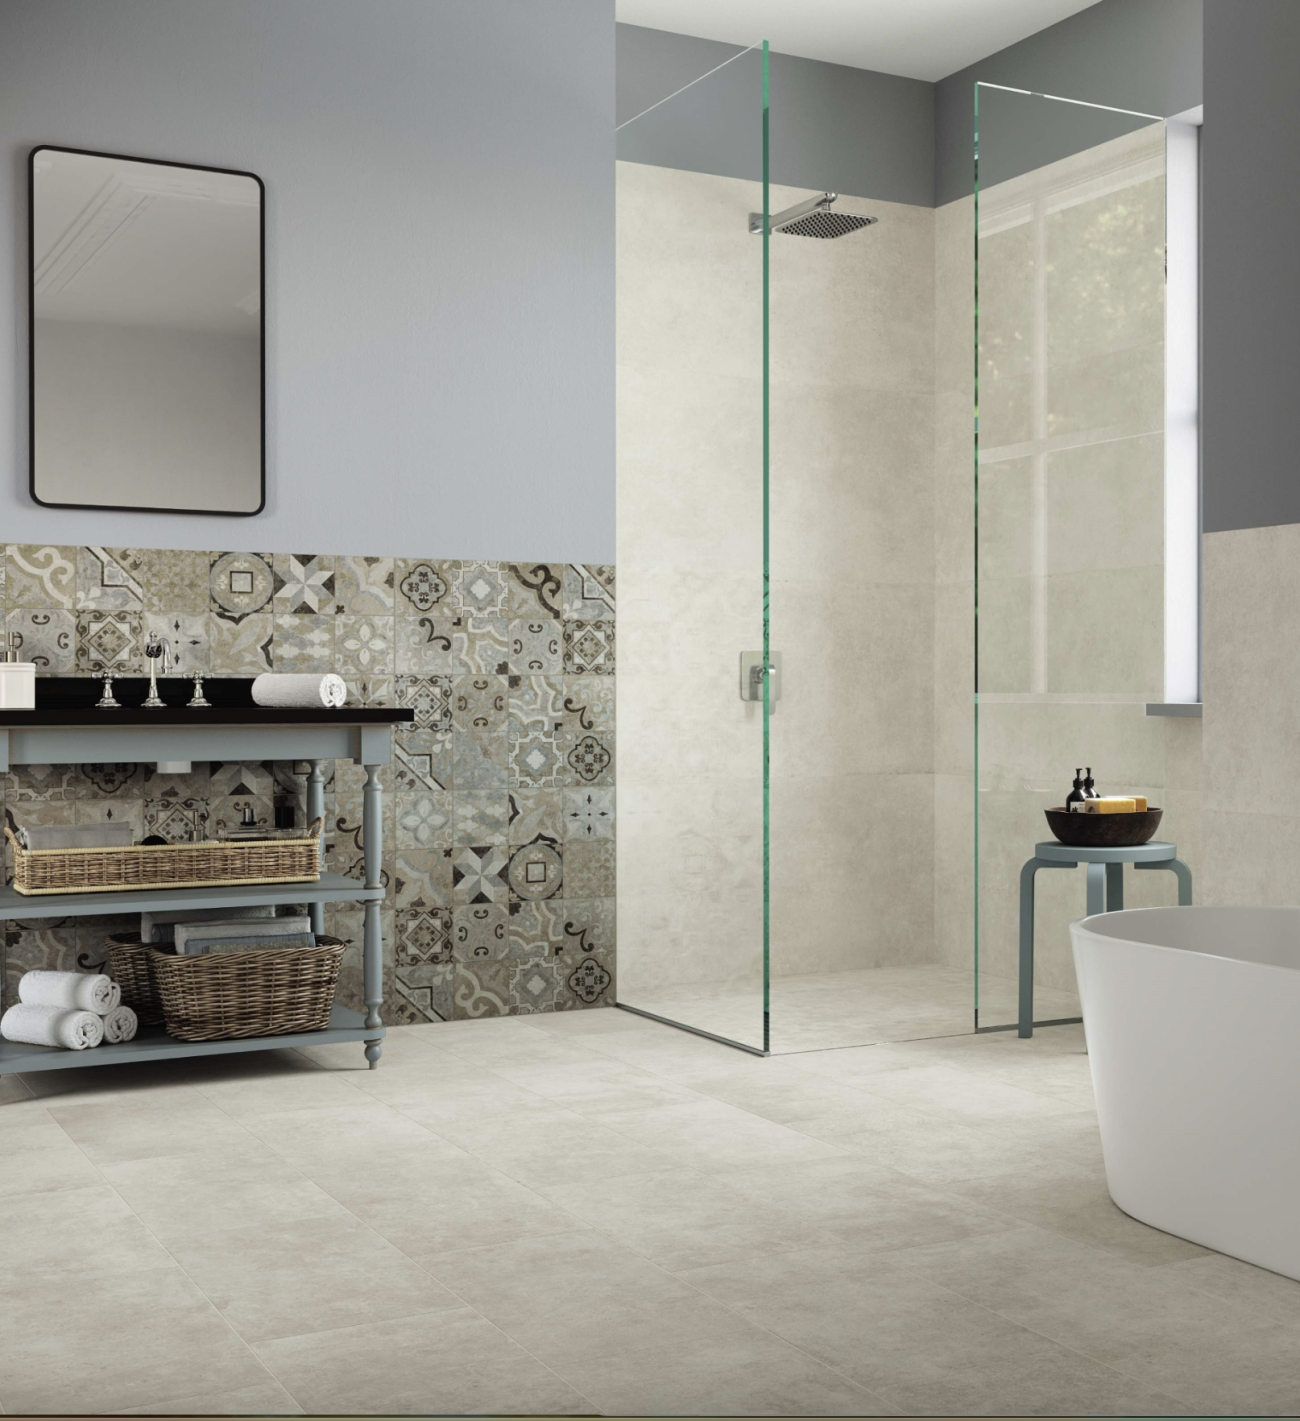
[[1069, 576], [692, 433]]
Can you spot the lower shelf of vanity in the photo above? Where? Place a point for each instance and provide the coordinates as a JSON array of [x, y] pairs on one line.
[[153, 1044]]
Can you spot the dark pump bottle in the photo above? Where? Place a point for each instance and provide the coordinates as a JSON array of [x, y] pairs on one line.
[[1089, 788], [1077, 798]]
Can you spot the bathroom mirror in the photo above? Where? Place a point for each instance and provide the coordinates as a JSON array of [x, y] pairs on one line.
[[146, 335]]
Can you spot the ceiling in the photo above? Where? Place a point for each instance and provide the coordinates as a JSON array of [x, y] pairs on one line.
[[922, 39]]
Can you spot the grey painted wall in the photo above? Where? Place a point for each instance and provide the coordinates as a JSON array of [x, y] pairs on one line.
[[1250, 309], [440, 270], [1132, 54], [832, 126]]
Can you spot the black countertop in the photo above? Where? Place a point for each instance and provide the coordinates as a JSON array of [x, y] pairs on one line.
[[92, 716]]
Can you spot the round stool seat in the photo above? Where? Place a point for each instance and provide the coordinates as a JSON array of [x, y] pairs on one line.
[[1157, 851]]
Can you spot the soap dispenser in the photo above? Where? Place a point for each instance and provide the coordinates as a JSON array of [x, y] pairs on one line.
[[17, 678], [1089, 788], [1076, 801]]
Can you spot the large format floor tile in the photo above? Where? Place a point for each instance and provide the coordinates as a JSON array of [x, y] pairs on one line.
[[593, 1212]]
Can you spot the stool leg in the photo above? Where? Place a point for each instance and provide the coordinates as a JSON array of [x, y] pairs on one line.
[[1114, 887], [1096, 889], [1184, 876], [1026, 1027]]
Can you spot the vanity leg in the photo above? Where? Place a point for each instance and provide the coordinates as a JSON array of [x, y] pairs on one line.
[[315, 810], [373, 950]]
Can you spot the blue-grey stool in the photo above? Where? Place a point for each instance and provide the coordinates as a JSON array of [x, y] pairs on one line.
[[1105, 895]]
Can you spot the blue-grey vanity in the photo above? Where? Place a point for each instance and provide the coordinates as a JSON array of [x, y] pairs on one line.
[[75, 735]]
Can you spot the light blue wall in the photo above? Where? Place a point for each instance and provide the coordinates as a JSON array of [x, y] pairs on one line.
[[440, 276]]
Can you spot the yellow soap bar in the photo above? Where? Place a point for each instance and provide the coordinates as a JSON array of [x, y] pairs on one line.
[[1140, 803], [1112, 804]]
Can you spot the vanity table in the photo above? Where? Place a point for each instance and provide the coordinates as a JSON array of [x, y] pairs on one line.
[[58, 735]]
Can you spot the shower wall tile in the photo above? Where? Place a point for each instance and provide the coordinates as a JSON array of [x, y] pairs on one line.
[[481, 836]]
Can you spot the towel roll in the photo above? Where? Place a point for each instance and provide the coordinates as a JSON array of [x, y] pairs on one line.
[[310, 691], [72, 991], [120, 1024], [52, 1026]]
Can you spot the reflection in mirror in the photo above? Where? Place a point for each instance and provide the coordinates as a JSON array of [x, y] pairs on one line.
[[146, 335]]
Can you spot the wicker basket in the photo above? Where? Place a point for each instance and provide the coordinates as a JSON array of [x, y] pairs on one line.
[[270, 991], [142, 866], [130, 965]]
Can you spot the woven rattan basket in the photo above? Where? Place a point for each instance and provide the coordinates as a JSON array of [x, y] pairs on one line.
[[130, 965], [270, 991], [203, 865]]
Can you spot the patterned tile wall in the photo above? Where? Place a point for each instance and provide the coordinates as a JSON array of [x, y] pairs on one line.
[[499, 805]]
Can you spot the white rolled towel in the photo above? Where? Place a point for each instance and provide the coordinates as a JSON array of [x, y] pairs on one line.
[[52, 1026], [302, 690], [120, 1024], [73, 991]]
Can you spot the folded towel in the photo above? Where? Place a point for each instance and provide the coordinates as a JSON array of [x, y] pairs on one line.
[[120, 1024], [72, 991], [303, 689], [51, 1026], [160, 926], [191, 933], [201, 946], [78, 836]]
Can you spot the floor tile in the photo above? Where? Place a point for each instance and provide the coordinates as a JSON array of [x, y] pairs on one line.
[[1272, 1294], [919, 1347], [1076, 1203], [698, 1359], [42, 1157], [75, 1230], [266, 1398], [121, 1129], [711, 1135], [113, 1341], [195, 1195], [317, 1140], [684, 1219], [550, 1145], [866, 1205], [457, 1363], [473, 1204], [597, 1292], [311, 1275]]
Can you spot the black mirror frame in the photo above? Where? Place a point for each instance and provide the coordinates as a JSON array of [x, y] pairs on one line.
[[31, 331]]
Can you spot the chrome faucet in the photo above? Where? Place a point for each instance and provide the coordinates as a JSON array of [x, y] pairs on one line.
[[157, 649]]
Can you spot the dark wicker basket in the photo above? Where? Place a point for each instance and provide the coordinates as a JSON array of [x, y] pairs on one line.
[[130, 965], [272, 991]]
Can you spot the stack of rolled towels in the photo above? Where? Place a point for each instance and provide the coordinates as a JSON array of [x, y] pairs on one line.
[[74, 1010]]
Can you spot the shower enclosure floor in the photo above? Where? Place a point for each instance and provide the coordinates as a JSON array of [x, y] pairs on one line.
[[819, 1012]]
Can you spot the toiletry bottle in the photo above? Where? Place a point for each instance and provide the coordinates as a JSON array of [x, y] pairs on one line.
[[1089, 788], [1076, 799]]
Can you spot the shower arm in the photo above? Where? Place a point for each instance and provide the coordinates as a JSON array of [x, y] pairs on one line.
[[791, 214]]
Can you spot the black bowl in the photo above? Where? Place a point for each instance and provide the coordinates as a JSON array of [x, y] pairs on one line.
[[1104, 831]]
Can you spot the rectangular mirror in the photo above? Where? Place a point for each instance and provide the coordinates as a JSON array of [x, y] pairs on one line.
[[146, 335]]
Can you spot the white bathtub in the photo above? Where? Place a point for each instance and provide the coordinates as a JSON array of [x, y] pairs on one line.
[[1193, 1023]]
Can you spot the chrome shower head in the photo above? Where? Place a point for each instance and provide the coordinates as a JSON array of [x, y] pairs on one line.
[[813, 218]]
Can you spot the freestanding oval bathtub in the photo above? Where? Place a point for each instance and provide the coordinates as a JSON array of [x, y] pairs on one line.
[[1192, 1017]]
